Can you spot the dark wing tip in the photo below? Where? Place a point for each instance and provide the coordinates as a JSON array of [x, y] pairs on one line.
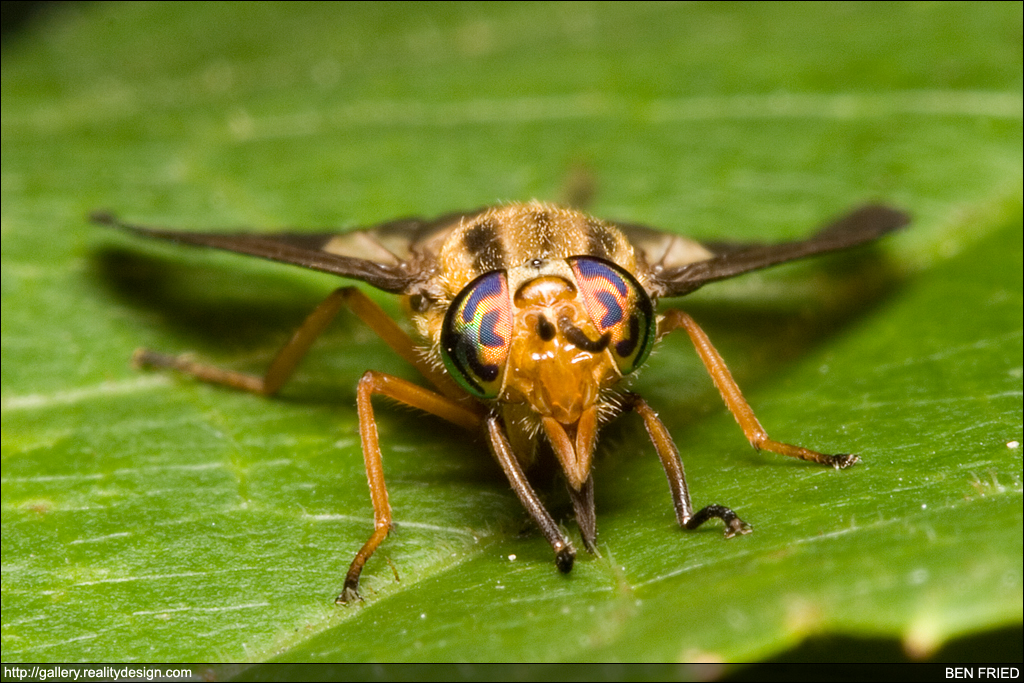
[[110, 219], [102, 217], [869, 222]]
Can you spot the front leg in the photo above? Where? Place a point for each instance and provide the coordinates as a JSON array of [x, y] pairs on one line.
[[738, 406], [670, 461], [565, 553], [411, 395]]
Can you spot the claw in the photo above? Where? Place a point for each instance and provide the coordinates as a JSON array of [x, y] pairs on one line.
[[843, 460], [347, 596], [737, 527], [565, 558]]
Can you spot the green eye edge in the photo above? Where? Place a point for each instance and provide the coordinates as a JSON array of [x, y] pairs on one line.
[[477, 333]]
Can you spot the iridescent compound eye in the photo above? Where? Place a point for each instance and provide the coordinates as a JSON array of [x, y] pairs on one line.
[[477, 333], [617, 304]]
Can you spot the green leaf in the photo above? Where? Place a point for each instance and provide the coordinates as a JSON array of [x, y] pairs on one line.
[[149, 517]]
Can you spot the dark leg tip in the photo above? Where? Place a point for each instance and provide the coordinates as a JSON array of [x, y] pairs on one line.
[[349, 595], [564, 558], [737, 527], [843, 460], [734, 526]]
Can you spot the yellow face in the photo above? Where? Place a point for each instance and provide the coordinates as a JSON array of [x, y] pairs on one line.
[[558, 361]]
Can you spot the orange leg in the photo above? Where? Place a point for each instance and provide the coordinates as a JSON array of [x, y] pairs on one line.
[[288, 358], [451, 404], [720, 375], [411, 395], [669, 455]]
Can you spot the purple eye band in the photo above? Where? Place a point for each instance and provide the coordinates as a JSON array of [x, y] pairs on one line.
[[613, 311], [618, 306], [489, 335], [476, 334], [595, 270], [488, 286]]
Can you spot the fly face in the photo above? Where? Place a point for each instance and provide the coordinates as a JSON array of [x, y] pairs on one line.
[[551, 333], [559, 359], [529, 316]]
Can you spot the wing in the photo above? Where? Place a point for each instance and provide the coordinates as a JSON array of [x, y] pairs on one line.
[[394, 256], [678, 266]]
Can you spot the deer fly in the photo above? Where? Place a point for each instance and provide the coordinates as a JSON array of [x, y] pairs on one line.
[[528, 317]]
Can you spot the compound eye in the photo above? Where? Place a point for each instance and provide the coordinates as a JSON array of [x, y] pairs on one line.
[[477, 333], [617, 304]]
